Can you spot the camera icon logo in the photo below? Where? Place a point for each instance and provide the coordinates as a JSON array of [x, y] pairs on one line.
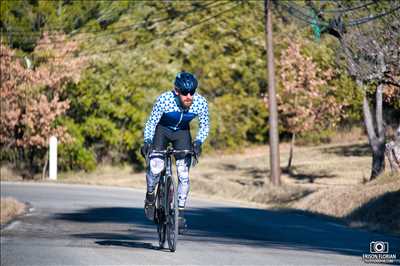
[[379, 247]]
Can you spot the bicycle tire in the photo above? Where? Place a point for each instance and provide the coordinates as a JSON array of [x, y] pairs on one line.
[[172, 214], [161, 225]]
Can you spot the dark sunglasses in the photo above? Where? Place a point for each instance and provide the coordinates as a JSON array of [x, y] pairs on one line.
[[186, 92]]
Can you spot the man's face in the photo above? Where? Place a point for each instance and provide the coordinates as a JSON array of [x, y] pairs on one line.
[[185, 100]]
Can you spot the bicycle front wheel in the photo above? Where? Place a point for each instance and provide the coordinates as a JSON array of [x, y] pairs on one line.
[[161, 223], [172, 214]]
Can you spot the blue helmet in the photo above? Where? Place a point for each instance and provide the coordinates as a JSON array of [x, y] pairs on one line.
[[186, 83]]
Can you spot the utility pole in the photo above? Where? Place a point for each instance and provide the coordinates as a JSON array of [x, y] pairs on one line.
[[273, 112]]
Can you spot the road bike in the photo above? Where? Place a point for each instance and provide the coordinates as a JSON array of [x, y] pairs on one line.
[[166, 205]]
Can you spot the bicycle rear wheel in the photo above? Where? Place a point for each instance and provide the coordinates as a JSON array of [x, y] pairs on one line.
[[172, 214], [160, 219]]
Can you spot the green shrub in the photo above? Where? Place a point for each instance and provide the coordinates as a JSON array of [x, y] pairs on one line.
[[74, 155], [236, 120], [109, 110]]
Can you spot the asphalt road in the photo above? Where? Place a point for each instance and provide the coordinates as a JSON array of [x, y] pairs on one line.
[[89, 225]]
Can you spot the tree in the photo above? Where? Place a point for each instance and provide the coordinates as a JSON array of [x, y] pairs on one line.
[[306, 102], [370, 49], [372, 57], [392, 152], [30, 98]]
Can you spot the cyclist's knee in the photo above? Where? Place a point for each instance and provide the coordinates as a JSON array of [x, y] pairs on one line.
[[156, 165]]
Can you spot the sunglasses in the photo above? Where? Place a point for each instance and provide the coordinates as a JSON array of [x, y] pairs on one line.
[[186, 92]]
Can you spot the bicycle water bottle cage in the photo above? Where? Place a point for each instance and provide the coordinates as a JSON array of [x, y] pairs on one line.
[[157, 164]]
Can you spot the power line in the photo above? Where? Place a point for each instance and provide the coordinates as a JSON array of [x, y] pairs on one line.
[[369, 18], [344, 10], [125, 27], [310, 20], [54, 29], [130, 27], [156, 21], [160, 36]]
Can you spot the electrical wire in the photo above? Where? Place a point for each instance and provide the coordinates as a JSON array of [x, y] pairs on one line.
[[309, 19], [369, 18], [125, 27], [294, 11], [344, 10], [160, 36]]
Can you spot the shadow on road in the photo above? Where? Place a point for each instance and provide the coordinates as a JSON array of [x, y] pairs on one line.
[[111, 218], [128, 244], [288, 229], [282, 229]]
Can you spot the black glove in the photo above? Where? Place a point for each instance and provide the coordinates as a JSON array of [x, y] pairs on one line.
[[197, 148], [145, 149]]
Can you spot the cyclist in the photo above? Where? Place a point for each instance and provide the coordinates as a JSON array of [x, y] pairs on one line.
[[169, 123]]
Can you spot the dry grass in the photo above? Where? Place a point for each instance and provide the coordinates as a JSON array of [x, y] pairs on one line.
[[10, 208], [381, 212], [352, 135], [6, 173], [106, 175], [244, 176]]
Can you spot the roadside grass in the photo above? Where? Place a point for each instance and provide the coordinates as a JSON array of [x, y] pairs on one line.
[[106, 175], [10, 208], [6, 173], [327, 179], [122, 176], [374, 214]]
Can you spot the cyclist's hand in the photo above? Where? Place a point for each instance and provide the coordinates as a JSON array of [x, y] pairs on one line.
[[145, 149], [197, 148]]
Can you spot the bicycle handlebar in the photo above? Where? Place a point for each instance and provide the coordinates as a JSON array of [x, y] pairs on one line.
[[171, 151]]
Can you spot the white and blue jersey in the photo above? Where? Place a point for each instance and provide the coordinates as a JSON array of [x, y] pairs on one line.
[[168, 112]]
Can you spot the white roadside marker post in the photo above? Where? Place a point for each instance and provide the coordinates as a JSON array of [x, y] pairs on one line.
[[53, 158]]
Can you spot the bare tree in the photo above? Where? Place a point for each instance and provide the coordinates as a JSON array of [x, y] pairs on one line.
[[393, 153], [372, 55], [370, 46]]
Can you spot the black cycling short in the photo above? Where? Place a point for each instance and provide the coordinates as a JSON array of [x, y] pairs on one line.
[[180, 139]]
